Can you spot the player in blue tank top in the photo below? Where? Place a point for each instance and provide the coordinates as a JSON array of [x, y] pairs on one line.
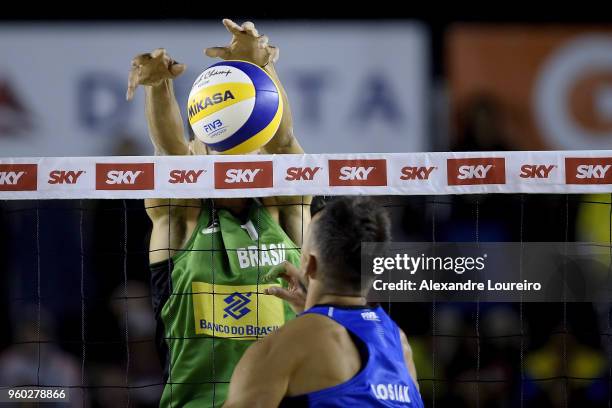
[[339, 352]]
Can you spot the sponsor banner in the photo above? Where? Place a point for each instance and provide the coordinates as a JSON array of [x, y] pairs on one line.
[[537, 88], [594, 170], [476, 171], [308, 174], [58, 102], [243, 175], [181, 174], [235, 311], [18, 177], [125, 176], [357, 172]]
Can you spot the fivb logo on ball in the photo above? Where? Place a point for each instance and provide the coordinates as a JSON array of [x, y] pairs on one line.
[[234, 107]]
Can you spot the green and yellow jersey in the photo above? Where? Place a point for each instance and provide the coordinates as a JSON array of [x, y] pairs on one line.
[[209, 302]]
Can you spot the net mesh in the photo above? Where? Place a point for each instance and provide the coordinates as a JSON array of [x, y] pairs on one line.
[[77, 305]]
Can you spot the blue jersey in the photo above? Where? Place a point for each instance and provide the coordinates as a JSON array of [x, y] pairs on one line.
[[383, 380]]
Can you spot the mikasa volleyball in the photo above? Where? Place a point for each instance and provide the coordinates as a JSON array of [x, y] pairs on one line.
[[234, 107]]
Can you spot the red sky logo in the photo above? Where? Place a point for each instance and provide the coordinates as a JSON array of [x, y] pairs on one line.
[[358, 172], [301, 173], [125, 176], [476, 171], [185, 176], [416, 173], [588, 170], [539, 171], [18, 177], [64, 177], [230, 175]]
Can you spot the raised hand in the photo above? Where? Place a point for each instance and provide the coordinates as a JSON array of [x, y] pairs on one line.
[[295, 293], [246, 45], [152, 69]]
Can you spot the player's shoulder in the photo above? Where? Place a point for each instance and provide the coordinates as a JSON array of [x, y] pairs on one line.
[[304, 324], [280, 345], [308, 330], [300, 329]]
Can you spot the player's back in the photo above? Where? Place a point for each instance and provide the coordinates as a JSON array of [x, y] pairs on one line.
[[362, 346]]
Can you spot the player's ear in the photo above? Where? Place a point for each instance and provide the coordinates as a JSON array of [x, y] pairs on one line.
[[311, 265]]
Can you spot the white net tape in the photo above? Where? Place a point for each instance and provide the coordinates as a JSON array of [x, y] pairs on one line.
[[308, 174]]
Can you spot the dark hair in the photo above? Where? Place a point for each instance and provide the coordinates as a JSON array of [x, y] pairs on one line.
[[342, 225]]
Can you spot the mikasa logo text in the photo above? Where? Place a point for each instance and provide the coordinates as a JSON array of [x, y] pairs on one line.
[[214, 99]]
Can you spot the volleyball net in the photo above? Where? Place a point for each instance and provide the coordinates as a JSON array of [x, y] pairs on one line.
[[75, 249]]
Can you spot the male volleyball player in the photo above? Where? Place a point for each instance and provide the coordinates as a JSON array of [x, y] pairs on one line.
[[340, 352], [207, 255]]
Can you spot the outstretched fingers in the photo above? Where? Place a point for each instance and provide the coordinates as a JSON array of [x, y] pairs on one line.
[[232, 27], [218, 52]]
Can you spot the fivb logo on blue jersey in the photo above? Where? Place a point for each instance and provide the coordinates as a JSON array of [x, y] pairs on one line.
[[237, 305]]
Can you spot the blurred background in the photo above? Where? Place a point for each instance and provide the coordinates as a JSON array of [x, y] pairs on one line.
[[74, 294]]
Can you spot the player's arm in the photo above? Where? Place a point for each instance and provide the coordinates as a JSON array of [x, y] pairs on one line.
[[292, 213], [172, 219], [284, 141], [155, 71], [408, 357], [261, 377], [248, 45]]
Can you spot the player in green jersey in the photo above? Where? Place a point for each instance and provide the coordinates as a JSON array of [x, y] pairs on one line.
[[208, 257]]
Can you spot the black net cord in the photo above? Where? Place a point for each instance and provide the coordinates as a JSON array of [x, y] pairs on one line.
[[167, 329], [212, 263], [609, 307], [258, 230], [82, 281], [565, 367], [38, 294], [126, 294], [477, 323], [521, 317], [433, 313]]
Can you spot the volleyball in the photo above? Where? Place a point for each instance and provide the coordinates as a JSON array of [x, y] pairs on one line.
[[234, 107]]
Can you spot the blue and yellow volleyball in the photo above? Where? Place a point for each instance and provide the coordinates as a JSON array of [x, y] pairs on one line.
[[234, 107]]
